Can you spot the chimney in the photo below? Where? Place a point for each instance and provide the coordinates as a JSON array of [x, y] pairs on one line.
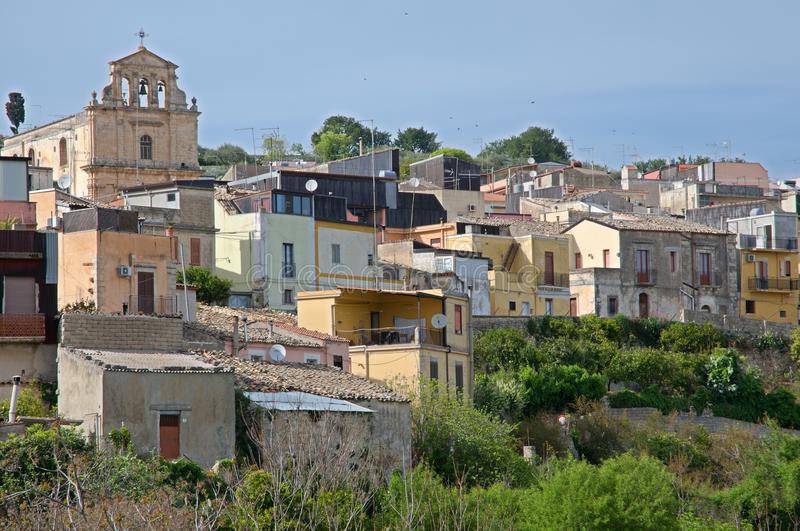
[[12, 411], [236, 336]]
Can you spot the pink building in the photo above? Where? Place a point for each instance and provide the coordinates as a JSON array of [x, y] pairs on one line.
[[260, 329], [735, 173]]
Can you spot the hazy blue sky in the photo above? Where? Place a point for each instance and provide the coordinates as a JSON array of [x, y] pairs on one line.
[[660, 77]]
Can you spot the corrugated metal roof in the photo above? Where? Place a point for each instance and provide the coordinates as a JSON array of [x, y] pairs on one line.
[[299, 401]]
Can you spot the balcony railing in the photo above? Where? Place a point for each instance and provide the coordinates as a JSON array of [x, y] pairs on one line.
[[395, 336], [645, 278], [773, 284], [143, 164], [557, 280], [21, 325], [712, 279], [146, 305], [749, 241]]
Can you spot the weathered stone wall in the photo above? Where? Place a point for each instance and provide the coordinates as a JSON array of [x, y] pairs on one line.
[[121, 332], [712, 424], [736, 324], [487, 322]]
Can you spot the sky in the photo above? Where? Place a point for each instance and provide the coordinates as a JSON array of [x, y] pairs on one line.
[[616, 80]]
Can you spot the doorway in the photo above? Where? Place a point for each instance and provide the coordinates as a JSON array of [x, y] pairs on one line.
[[145, 292], [169, 436], [644, 305]]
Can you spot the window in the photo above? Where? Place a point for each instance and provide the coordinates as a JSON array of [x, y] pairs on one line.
[[705, 269], [436, 242], [787, 268], [338, 361], [526, 308], [644, 305], [548, 306], [336, 253], [458, 327], [434, 369], [311, 359], [257, 358], [171, 197], [613, 306], [288, 296], [673, 261], [370, 260], [32, 156], [459, 375], [578, 261], [549, 274], [512, 306], [642, 265], [291, 204], [194, 255], [606, 258], [62, 152], [146, 147], [288, 260], [749, 306], [783, 313]]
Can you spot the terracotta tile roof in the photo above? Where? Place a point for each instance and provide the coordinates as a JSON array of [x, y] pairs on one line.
[[315, 379], [523, 227], [217, 321], [163, 362], [482, 220], [653, 224]]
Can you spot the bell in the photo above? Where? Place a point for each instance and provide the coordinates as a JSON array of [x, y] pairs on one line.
[[142, 87]]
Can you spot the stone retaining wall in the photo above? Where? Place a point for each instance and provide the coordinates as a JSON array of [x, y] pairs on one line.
[[736, 324], [482, 323], [121, 332]]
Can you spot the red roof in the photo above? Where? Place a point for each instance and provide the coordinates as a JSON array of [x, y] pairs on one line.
[[307, 332], [652, 176]]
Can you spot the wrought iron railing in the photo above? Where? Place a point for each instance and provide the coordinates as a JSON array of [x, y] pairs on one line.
[[558, 280], [773, 284], [395, 336], [146, 305], [711, 279], [749, 241], [645, 278]]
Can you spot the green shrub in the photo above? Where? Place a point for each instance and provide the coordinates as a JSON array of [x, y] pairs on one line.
[[648, 366], [554, 387], [592, 355], [691, 337], [29, 404], [770, 342], [503, 348], [651, 396], [501, 394], [597, 434], [667, 447], [211, 289], [647, 331], [723, 372]]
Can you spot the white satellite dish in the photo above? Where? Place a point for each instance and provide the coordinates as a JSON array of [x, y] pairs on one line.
[[531, 160], [439, 321], [311, 185], [64, 182], [277, 353], [413, 182]]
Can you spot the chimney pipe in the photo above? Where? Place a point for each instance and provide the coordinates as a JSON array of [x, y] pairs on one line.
[[12, 411], [236, 336]]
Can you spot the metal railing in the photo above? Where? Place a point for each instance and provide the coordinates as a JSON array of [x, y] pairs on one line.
[[773, 284], [645, 278], [749, 241], [558, 280], [395, 336], [146, 305], [22, 325], [712, 279]]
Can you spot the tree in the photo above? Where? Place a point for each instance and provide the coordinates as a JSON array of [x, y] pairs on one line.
[[354, 130], [460, 154], [536, 142], [211, 289], [503, 348], [297, 151], [332, 146], [15, 110], [417, 140], [224, 155], [274, 148]]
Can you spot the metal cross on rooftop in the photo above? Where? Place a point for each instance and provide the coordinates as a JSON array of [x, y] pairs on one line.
[[141, 34]]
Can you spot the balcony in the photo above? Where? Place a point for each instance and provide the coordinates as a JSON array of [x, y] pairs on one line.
[[22, 326], [708, 280], [773, 284], [749, 241], [555, 280], [645, 278], [408, 335], [148, 305]]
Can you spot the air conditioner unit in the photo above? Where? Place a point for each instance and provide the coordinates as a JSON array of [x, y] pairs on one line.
[[751, 258], [472, 208], [54, 222], [124, 271]]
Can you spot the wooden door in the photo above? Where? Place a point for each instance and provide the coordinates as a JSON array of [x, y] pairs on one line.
[[549, 276], [146, 292], [169, 436], [573, 307], [194, 253], [644, 305], [375, 327]]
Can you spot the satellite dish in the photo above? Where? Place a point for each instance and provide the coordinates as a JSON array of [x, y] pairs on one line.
[[277, 353], [65, 181], [439, 321], [311, 185], [413, 182], [531, 160]]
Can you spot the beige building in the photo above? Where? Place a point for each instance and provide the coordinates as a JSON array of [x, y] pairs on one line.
[[140, 131]]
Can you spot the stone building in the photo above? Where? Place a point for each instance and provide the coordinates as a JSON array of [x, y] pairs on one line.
[[139, 131], [651, 266]]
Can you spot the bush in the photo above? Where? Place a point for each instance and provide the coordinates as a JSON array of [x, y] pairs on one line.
[[592, 355], [723, 372], [667, 447], [503, 348], [626, 492], [597, 434], [647, 331], [771, 342], [794, 348], [211, 289], [553, 387], [462, 444], [501, 394], [648, 366], [29, 404], [691, 337], [650, 397]]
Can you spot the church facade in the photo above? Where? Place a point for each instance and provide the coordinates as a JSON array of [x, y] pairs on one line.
[[141, 131]]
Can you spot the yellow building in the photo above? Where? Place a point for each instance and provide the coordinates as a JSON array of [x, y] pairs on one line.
[[768, 265], [394, 335], [530, 272]]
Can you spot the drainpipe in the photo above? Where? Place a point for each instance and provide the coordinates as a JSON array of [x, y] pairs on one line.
[[235, 336], [12, 411]]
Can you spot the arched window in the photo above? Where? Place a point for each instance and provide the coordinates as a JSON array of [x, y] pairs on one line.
[[125, 90], [146, 147], [62, 152], [161, 94], [32, 156], [143, 90]]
